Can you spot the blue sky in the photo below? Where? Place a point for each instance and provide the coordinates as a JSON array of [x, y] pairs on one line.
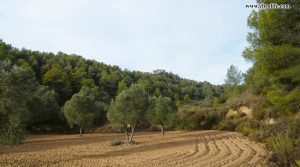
[[196, 39]]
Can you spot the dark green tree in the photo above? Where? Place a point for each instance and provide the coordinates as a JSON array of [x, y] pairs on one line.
[[84, 107], [44, 111], [57, 79]]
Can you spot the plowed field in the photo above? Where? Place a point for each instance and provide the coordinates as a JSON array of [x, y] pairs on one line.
[[178, 148]]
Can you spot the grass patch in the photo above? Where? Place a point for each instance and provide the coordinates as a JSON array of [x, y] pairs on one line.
[[116, 142]]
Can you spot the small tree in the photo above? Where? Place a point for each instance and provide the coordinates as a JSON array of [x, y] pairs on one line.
[[233, 76], [161, 112], [83, 108], [127, 109], [232, 81]]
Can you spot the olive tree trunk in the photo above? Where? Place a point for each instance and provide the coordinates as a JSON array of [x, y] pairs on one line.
[[162, 129], [132, 132], [126, 133], [80, 131]]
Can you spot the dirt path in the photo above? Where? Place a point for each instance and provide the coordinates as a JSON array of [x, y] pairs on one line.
[[182, 149]]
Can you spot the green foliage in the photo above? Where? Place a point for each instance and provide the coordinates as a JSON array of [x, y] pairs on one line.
[[257, 82], [186, 121], [44, 111], [56, 79], [160, 111], [16, 87], [87, 83], [67, 74], [274, 50], [122, 86], [186, 99], [146, 84], [128, 106], [233, 76], [199, 115], [285, 101], [157, 92], [84, 107]]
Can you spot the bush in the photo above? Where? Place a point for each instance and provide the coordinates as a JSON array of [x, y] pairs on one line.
[[283, 138], [211, 119], [246, 98], [187, 123], [287, 124], [283, 146], [250, 128], [186, 120], [200, 118], [116, 142], [229, 124]]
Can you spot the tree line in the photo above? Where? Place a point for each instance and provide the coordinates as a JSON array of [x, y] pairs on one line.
[[42, 91]]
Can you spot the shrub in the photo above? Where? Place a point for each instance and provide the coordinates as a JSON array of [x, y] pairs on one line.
[[283, 138], [258, 113], [250, 128], [288, 124], [263, 111], [211, 119], [246, 98], [187, 123], [186, 120], [116, 142], [229, 124], [282, 145]]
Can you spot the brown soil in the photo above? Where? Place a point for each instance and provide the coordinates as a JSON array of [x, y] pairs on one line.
[[178, 148]]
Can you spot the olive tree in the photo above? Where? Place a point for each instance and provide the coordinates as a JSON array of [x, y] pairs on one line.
[[127, 109], [161, 112], [16, 87], [83, 108]]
